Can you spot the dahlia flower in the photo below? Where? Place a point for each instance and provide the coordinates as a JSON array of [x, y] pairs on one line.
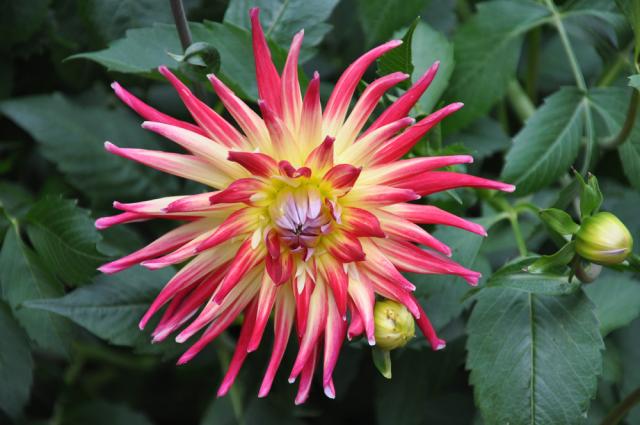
[[309, 218]]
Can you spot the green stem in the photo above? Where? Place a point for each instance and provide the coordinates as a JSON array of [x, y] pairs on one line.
[[533, 54], [622, 408], [520, 100], [557, 19], [616, 67], [627, 127], [517, 233], [184, 33]]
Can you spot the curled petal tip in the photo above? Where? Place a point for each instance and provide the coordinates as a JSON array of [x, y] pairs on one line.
[[254, 12], [291, 379], [329, 392], [110, 147], [107, 269], [115, 86], [371, 341], [316, 75], [508, 188], [395, 43], [440, 345]]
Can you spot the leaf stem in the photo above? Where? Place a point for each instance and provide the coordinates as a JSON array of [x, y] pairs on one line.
[[575, 67], [517, 233], [627, 127], [533, 55], [184, 33], [519, 100], [622, 408]]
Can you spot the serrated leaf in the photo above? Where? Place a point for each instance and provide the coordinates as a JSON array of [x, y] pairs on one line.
[[380, 18], [514, 276], [65, 238], [24, 278], [634, 81], [617, 300], [559, 220], [561, 258], [72, 136], [16, 364], [486, 51], [281, 19], [143, 50], [112, 306], [534, 359], [549, 142], [400, 58], [610, 104]]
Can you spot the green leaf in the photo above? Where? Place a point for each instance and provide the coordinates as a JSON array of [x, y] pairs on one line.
[[75, 144], [559, 221], [483, 138], [533, 358], [143, 50], [486, 52], [380, 18], [631, 10], [382, 361], [513, 276], [103, 413], [560, 258], [400, 58], [281, 19], [23, 278], [428, 46], [634, 81], [590, 195], [16, 364], [113, 17], [617, 300], [65, 238], [628, 340], [548, 143], [14, 199], [610, 104], [112, 306]]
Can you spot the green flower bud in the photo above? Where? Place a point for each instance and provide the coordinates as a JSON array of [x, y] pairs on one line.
[[394, 325], [603, 239]]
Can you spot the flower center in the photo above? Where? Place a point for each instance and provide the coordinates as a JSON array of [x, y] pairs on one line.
[[299, 217]]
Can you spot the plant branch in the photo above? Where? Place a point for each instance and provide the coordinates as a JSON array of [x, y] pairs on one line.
[[517, 233], [575, 67], [627, 127], [622, 408], [184, 33], [519, 100]]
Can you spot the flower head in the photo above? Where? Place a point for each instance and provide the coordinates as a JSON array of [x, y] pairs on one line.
[[603, 239], [309, 218]]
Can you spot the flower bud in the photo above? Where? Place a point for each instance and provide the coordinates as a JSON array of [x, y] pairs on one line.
[[394, 325], [603, 239]]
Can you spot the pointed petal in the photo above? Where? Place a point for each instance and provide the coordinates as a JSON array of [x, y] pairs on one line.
[[360, 151], [378, 195], [306, 378], [311, 118], [282, 323], [437, 181], [246, 259], [397, 171], [361, 223], [216, 127], [401, 107], [241, 350], [321, 158], [266, 74], [338, 282], [342, 177], [200, 146], [250, 123], [256, 163], [127, 217], [315, 326], [187, 166], [428, 214], [343, 246], [266, 300], [291, 97], [239, 191], [400, 145], [363, 297], [356, 325], [238, 223], [149, 113], [364, 107], [400, 229], [340, 99], [429, 332]]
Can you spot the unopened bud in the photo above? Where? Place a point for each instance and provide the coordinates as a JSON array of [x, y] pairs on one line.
[[394, 325], [603, 239]]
